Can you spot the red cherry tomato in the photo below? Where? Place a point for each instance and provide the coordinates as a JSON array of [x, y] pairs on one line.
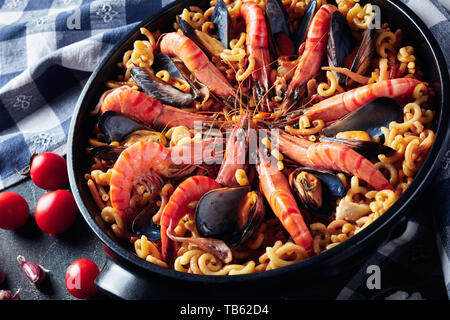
[[14, 210], [49, 171], [80, 278], [55, 211]]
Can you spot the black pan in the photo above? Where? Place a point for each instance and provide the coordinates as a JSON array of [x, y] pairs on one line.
[[127, 276]]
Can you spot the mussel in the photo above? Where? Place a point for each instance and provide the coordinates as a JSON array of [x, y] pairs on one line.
[[164, 62], [143, 224], [177, 69], [370, 118], [277, 21], [309, 189], [116, 127], [159, 89], [110, 153], [222, 22], [366, 148], [229, 214], [315, 189], [340, 42], [304, 24], [209, 45], [363, 57]]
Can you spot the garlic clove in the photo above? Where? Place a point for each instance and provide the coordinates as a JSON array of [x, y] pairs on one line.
[[6, 295], [34, 272]]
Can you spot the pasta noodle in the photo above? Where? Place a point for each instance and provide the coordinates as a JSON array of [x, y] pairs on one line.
[[281, 255], [384, 43], [305, 126], [328, 89], [360, 17]]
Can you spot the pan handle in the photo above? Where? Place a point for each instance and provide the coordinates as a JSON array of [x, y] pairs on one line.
[[121, 280]]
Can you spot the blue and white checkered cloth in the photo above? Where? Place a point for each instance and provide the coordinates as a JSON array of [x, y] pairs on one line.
[[48, 48]]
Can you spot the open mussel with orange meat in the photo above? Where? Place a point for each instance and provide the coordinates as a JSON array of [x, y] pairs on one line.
[[315, 188], [357, 130]]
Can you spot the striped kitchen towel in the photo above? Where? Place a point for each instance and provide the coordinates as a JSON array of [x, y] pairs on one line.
[[48, 50]]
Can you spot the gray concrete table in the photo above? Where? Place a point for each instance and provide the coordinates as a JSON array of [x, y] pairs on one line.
[[54, 253]]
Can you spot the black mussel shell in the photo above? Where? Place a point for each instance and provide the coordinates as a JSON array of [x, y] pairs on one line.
[[370, 118], [209, 45], [159, 89], [143, 224], [196, 86], [340, 42], [331, 185], [366, 148], [176, 69], [277, 16], [110, 153], [222, 21], [363, 57], [116, 126], [164, 62], [216, 215], [185, 27], [304, 24], [253, 220]]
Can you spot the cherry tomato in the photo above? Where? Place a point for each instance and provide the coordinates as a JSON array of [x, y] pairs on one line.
[[49, 171], [80, 278], [14, 210], [55, 211]]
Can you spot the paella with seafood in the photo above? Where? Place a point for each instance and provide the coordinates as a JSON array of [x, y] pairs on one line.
[[257, 134]]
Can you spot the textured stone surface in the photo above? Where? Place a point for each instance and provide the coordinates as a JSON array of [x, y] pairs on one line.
[[53, 253]]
